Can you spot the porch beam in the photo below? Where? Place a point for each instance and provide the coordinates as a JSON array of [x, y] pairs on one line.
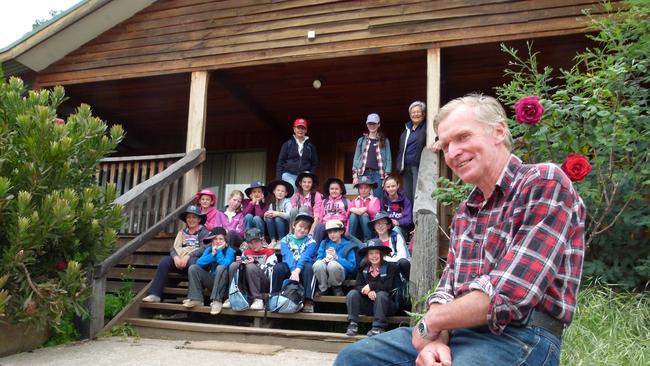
[[196, 121], [425, 248]]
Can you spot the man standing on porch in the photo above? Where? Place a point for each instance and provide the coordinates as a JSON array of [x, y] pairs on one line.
[[297, 155], [515, 256]]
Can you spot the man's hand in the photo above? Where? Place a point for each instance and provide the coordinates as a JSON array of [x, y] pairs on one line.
[[434, 354]]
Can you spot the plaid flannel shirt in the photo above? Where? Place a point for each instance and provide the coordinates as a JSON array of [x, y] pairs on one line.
[[523, 247], [380, 160]]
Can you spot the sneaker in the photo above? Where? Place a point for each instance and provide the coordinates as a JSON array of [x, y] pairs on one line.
[[353, 329], [151, 298], [374, 331], [308, 307], [258, 304], [192, 303], [337, 291], [215, 307], [226, 304]]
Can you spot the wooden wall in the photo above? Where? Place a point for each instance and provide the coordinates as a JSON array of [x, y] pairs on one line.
[[173, 36]]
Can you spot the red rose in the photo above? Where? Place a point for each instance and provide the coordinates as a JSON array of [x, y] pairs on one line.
[[529, 110], [59, 121], [576, 167], [61, 265]]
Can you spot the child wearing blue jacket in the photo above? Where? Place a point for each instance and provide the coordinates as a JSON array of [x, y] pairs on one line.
[[211, 271], [298, 256], [333, 264]]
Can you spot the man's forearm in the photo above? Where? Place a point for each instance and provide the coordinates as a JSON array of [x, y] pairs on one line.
[[467, 311]]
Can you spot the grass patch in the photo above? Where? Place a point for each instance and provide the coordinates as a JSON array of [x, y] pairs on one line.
[[609, 328]]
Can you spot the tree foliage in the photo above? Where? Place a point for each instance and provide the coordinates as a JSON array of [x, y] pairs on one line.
[[55, 221]]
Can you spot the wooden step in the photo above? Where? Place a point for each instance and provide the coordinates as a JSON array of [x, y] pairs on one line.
[[296, 339], [260, 314], [182, 291]]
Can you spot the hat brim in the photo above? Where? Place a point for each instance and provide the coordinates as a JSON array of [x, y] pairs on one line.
[[213, 197], [183, 216], [248, 190], [335, 228], [326, 186], [364, 251], [371, 224], [372, 184], [309, 219], [313, 177], [287, 185]]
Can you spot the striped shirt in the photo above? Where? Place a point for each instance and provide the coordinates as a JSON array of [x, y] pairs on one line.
[[523, 246]]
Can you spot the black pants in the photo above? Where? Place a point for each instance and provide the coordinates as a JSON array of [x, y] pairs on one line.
[[165, 266], [281, 272], [381, 308]]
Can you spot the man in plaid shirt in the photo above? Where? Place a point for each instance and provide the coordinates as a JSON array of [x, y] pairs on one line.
[[515, 258]]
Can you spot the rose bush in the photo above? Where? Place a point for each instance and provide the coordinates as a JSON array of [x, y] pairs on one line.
[[595, 118]]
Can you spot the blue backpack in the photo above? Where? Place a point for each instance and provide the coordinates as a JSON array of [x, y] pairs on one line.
[[237, 292], [289, 300]]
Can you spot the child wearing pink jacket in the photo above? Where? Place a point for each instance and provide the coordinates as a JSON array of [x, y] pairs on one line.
[[363, 209]]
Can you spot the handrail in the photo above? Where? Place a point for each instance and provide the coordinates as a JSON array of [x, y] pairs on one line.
[[151, 186], [139, 193], [142, 157], [101, 269]]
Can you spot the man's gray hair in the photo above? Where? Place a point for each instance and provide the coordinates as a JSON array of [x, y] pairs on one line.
[[487, 110], [417, 103]]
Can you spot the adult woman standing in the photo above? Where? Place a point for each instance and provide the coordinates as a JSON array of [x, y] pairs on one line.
[[411, 143], [298, 154], [372, 157]]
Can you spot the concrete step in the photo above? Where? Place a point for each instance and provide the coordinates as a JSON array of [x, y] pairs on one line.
[[295, 339]]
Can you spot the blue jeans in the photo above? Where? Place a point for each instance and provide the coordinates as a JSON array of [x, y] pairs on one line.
[[363, 221], [469, 347], [277, 227], [374, 176], [289, 178], [251, 220]]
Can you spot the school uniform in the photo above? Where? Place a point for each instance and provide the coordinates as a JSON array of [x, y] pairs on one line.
[[334, 272], [356, 222], [296, 253]]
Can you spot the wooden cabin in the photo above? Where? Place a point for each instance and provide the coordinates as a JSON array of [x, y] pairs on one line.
[[230, 76]]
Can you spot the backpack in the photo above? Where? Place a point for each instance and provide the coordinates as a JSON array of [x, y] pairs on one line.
[[289, 300], [238, 291]]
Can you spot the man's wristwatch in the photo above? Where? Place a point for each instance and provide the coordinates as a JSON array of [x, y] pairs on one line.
[[423, 331]]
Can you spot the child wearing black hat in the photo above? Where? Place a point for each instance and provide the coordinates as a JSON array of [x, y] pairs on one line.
[[210, 271], [277, 216], [306, 198], [255, 206], [259, 263], [187, 248], [375, 282]]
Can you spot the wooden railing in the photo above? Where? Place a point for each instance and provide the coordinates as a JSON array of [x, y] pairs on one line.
[[136, 197], [127, 173]]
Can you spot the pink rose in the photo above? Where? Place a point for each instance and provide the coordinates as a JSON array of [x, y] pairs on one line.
[[529, 110], [59, 121], [576, 167]]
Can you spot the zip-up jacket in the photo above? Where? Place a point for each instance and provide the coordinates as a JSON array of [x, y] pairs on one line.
[[291, 161]]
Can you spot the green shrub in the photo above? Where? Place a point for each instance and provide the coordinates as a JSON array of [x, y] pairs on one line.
[[55, 222], [115, 302]]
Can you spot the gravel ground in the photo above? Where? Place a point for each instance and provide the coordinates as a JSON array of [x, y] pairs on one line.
[[141, 351]]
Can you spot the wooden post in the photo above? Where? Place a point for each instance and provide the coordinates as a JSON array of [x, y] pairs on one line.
[[425, 209], [196, 121], [95, 308]]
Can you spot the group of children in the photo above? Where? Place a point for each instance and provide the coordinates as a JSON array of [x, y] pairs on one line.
[[316, 236]]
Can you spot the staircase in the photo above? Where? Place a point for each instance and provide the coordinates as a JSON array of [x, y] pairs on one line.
[[321, 331]]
